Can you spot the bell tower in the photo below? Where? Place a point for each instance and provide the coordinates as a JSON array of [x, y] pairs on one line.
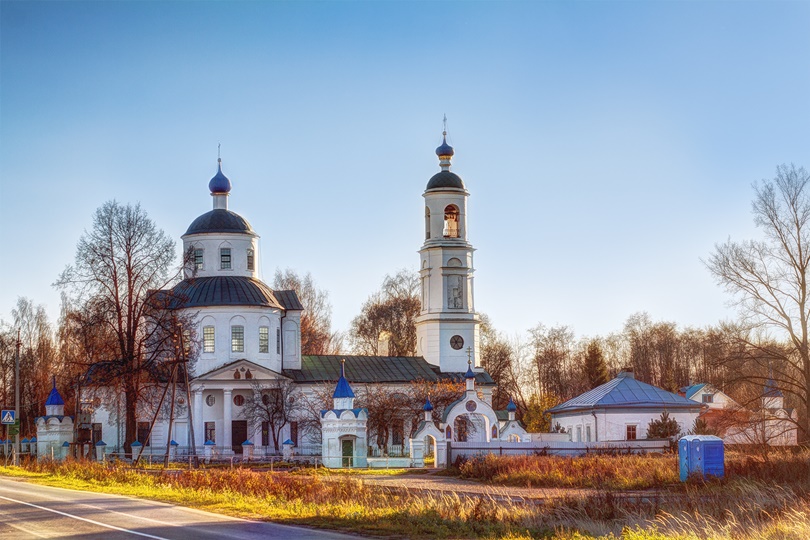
[[447, 329]]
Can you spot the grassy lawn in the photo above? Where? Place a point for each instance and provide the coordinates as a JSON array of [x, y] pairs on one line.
[[759, 499]]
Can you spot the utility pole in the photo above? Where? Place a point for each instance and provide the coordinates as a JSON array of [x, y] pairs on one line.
[[17, 401]]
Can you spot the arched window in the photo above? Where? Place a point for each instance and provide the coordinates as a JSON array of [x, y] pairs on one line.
[[208, 339], [427, 223], [250, 259], [450, 222]]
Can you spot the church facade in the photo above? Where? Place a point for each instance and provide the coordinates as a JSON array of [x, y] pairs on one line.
[[250, 335]]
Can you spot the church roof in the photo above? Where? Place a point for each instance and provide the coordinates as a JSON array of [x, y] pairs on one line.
[[54, 398], [622, 392], [342, 388], [230, 291], [289, 300], [220, 220], [771, 390], [445, 179], [374, 369]]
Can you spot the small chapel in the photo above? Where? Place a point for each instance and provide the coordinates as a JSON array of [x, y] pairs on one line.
[[250, 338]]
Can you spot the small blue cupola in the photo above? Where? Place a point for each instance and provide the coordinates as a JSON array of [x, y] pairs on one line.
[[771, 390], [772, 396], [511, 408], [219, 183], [220, 187], [54, 405], [428, 405], [343, 396], [470, 376]]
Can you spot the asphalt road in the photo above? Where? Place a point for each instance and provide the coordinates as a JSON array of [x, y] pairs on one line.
[[33, 511]]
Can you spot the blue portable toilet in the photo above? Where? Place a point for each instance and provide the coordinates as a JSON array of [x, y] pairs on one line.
[[701, 454]]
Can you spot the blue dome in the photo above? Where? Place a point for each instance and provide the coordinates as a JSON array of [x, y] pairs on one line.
[[428, 405], [445, 149], [219, 183], [511, 407], [54, 398], [470, 374]]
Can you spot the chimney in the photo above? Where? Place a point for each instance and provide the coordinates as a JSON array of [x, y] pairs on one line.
[[626, 373]]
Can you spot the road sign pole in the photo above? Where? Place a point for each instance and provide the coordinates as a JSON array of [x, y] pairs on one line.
[[17, 401]]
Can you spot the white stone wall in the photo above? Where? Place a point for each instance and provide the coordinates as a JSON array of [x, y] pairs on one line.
[[612, 425]]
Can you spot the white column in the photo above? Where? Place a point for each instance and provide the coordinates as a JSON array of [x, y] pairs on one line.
[[199, 424], [227, 403]]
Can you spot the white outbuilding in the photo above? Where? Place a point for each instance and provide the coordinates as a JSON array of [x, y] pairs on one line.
[[621, 410]]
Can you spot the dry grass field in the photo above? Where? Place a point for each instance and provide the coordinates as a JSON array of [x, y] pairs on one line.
[[758, 498]]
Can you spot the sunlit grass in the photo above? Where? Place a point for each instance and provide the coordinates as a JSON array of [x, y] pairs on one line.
[[769, 500]]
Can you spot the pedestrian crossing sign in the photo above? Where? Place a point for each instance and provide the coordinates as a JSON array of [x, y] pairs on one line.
[[7, 416]]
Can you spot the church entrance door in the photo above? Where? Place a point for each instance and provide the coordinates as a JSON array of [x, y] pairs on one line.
[[348, 452], [238, 435]]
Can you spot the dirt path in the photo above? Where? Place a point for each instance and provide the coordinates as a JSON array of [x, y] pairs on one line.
[[444, 485]]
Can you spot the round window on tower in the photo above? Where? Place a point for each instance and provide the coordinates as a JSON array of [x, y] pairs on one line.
[[457, 342], [238, 400]]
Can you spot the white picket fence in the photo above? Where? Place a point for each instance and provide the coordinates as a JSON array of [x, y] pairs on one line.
[[558, 448]]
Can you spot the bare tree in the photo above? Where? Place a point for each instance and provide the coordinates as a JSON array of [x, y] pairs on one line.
[[276, 403], [316, 320], [769, 280], [38, 360], [497, 359], [387, 411], [389, 316], [121, 265], [556, 369], [317, 398]]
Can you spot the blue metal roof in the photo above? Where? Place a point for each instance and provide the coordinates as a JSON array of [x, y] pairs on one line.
[[690, 391], [356, 412], [342, 389], [622, 392], [771, 390], [54, 398]]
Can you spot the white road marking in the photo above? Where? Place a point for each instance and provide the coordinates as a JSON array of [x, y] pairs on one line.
[[85, 519]]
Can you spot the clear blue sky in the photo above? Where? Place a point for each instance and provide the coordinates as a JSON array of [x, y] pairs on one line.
[[607, 146]]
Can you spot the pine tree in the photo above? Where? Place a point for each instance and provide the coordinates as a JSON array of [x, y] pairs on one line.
[[594, 366], [664, 428]]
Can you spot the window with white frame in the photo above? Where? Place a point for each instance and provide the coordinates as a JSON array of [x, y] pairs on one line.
[[198, 259], [225, 258], [708, 398], [264, 339], [250, 259], [208, 339], [237, 339], [631, 432]]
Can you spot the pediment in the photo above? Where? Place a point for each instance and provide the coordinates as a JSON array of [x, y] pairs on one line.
[[247, 371]]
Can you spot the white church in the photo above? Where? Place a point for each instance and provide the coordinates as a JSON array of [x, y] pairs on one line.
[[250, 338]]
